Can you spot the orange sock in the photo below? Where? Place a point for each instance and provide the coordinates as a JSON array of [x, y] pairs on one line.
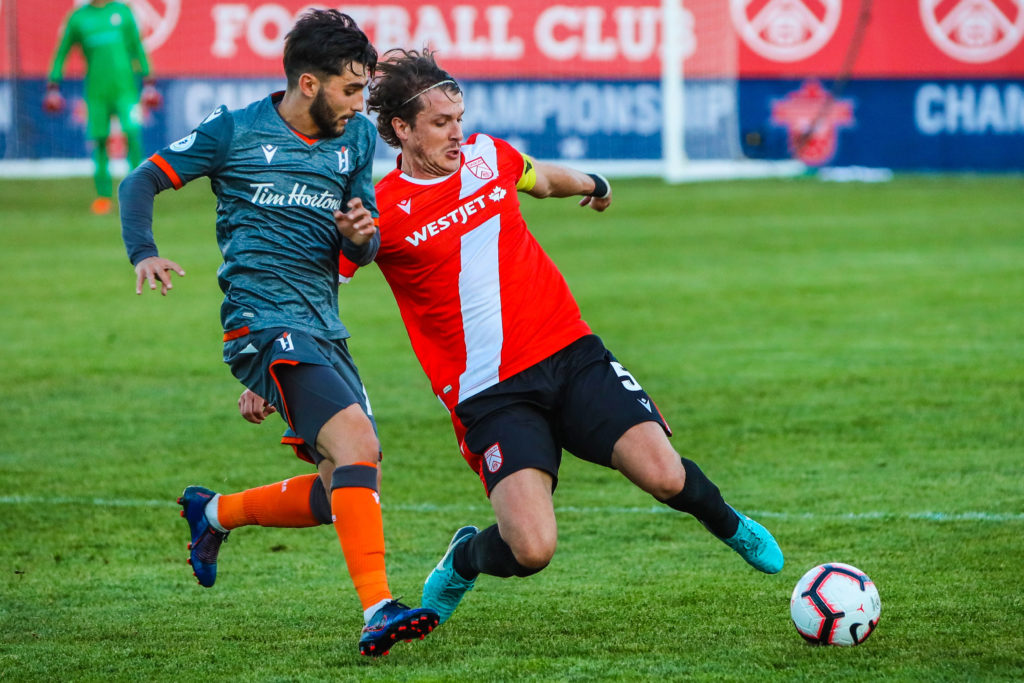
[[284, 504], [357, 519]]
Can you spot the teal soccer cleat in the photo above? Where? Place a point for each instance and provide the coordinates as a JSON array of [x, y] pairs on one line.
[[444, 588], [392, 623], [756, 545], [205, 544]]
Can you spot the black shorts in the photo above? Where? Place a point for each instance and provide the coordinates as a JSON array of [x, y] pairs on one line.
[[260, 360], [580, 399]]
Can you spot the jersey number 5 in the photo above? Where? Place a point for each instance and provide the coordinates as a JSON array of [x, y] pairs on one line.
[[628, 380]]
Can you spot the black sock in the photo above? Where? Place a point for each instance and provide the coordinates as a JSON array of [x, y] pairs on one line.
[[488, 553], [702, 499]]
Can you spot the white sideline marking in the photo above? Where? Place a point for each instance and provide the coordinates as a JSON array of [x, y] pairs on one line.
[[652, 510]]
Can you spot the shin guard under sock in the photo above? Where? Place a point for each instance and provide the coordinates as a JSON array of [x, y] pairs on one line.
[[488, 553], [355, 506], [286, 504], [702, 499]]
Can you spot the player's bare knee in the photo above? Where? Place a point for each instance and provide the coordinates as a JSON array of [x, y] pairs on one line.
[[348, 437], [667, 482], [662, 476], [534, 553]]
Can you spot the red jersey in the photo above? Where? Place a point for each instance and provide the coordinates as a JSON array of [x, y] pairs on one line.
[[480, 299]]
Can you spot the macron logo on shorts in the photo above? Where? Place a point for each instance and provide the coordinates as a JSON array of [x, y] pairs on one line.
[[493, 458]]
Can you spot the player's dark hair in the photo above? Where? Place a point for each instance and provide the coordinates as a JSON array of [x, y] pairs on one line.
[[402, 76], [326, 42]]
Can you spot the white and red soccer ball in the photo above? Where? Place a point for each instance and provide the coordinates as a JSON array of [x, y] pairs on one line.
[[835, 604]]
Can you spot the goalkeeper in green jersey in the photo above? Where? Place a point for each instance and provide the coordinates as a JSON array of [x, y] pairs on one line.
[[109, 39]]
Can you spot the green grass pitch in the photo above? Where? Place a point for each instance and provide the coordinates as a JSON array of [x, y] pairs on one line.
[[845, 361]]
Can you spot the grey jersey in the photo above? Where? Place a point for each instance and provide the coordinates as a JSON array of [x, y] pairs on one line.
[[276, 195]]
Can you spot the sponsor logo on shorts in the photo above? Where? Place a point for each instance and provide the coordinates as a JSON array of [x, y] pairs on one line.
[[493, 458], [285, 340], [645, 403]]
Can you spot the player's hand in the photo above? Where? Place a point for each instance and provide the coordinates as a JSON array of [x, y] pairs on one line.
[[156, 268], [356, 225], [254, 407], [151, 98], [597, 203], [53, 101]]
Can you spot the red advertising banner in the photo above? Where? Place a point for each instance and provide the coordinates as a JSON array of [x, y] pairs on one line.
[[575, 38]]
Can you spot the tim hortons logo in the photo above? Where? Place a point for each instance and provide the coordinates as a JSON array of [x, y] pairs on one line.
[[786, 30], [156, 20], [265, 194], [812, 117], [973, 30]]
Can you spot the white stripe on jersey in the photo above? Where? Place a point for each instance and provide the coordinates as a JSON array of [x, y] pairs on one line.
[[479, 289]]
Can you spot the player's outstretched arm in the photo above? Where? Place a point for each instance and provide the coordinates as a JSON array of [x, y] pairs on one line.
[[135, 195], [554, 180]]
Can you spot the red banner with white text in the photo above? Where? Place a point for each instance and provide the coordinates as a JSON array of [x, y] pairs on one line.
[[573, 38]]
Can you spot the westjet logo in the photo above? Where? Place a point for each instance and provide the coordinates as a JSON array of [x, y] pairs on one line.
[[459, 215], [265, 194]]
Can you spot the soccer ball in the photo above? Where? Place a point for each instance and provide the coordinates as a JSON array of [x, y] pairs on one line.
[[835, 604]]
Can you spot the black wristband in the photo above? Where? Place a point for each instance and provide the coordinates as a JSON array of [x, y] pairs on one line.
[[601, 186]]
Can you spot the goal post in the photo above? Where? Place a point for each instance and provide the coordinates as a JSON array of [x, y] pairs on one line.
[[700, 129], [673, 92]]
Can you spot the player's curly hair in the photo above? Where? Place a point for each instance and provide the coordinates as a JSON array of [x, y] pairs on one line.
[[402, 76], [326, 41]]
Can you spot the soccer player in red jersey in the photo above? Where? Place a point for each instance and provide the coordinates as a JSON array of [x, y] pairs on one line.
[[502, 341]]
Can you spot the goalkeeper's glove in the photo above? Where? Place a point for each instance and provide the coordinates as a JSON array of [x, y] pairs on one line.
[[151, 97], [53, 101]]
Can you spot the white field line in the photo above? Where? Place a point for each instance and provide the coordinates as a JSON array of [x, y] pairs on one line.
[[928, 516]]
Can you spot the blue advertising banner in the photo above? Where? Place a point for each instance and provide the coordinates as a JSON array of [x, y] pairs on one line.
[[904, 124], [911, 124]]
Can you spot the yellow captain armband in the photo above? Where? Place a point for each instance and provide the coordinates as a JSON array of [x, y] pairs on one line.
[[529, 177]]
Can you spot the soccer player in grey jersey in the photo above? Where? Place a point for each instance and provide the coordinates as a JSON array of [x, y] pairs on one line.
[[292, 176]]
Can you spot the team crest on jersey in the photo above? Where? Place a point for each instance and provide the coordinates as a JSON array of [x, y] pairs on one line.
[[184, 143], [493, 458], [479, 168], [342, 160]]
